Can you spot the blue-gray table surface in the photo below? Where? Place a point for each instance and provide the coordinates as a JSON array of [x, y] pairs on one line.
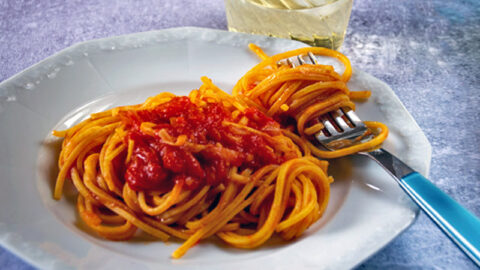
[[427, 51]]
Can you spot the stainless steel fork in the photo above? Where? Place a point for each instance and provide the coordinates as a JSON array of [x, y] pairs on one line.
[[458, 223]]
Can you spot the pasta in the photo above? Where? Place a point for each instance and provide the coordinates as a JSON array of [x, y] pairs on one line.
[[210, 163], [304, 93]]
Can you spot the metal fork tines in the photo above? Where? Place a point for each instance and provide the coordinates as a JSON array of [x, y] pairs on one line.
[[341, 124], [300, 60]]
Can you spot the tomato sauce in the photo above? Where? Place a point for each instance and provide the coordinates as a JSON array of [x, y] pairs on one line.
[[155, 165]]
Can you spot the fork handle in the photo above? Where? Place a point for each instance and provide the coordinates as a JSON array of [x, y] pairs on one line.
[[458, 223]]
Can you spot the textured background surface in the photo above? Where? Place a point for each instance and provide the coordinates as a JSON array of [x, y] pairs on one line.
[[427, 51]]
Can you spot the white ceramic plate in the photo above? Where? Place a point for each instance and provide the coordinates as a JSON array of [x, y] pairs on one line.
[[367, 208]]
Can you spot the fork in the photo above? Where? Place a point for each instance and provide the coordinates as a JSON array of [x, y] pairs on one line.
[[458, 223]]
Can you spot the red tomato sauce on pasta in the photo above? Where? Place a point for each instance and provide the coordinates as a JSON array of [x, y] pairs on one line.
[[155, 164]]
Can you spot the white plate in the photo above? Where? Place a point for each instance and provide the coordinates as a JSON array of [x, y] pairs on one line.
[[367, 209]]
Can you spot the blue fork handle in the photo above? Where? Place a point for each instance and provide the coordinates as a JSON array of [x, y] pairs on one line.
[[457, 222]]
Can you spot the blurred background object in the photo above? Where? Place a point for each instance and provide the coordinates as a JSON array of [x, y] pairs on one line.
[[321, 23]]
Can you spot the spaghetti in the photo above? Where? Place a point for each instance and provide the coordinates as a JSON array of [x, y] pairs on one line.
[[302, 94], [207, 164]]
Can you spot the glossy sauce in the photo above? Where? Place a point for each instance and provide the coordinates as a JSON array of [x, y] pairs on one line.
[[155, 165]]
